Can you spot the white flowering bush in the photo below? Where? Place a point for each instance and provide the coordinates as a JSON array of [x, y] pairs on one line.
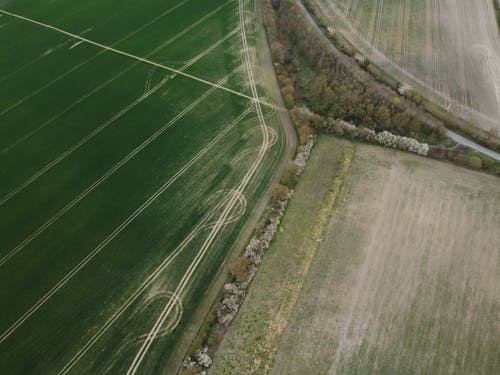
[[388, 139], [303, 154], [384, 138], [346, 129]]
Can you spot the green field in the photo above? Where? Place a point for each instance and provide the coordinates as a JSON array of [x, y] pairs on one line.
[[126, 174]]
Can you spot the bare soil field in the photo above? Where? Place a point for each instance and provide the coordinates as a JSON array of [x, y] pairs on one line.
[[447, 49], [406, 278]]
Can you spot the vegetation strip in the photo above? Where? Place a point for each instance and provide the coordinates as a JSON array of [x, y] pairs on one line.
[[285, 304], [246, 347]]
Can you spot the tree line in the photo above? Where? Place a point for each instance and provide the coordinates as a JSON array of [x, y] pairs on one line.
[[338, 89]]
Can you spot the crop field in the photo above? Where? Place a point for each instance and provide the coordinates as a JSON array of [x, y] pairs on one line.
[[405, 280], [136, 139], [447, 49]]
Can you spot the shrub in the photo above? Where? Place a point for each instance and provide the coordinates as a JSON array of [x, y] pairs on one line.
[[212, 339], [388, 139], [460, 159], [289, 101], [279, 192], [475, 162], [241, 269], [289, 178], [304, 133]]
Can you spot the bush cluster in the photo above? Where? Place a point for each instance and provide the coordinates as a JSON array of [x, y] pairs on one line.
[[388, 139]]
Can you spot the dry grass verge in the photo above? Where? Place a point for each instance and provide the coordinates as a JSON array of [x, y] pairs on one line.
[[250, 344]]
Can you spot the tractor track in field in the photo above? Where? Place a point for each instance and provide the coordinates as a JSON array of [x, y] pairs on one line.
[[115, 117], [103, 50], [493, 63], [142, 59], [79, 65], [405, 32], [102, 85], [203, 224], [141, 354], [35, 60], [108, 174], [120, 228], [378, 23]]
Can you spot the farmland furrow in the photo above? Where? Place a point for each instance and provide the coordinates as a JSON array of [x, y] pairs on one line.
[[79, 65], [64, 111], [82, 142], [122, 226], [406, 32], [115, 117], [494, 62], [378, 23], [208, 242], [461, 50], [439, 82], [351, 14], [361, 291]]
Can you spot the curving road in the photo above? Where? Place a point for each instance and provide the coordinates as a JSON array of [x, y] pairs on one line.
[[467, 142]]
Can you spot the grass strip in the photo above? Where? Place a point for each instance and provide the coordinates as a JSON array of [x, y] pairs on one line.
[[251, 342]]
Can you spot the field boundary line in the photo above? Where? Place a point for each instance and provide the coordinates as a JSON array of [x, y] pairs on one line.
[[115, 117], [138, 58], [106, 83], [151, 278], [146, 345], [79, 65], [115, 232]]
